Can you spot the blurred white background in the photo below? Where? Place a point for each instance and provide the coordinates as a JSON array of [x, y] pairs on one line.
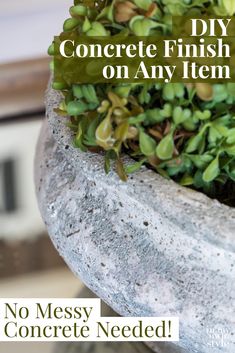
[[29, 264], [27, 27]]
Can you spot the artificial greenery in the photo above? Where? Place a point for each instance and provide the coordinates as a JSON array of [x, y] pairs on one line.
[[183, 131]]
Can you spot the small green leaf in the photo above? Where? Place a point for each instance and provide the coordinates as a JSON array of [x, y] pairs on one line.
[[143, 4], [107, 12], [231, 136], [121, 131], [154, 116], [168, 92], [230, 150], [212, 171], [147, 144], [120, 170], [78, 10], [104, 133], [201, 161], [166, 147], [75, 108], [77, 91], [90, 138], [135, 166], [231, 172], [133, 120], [78, 138], [89, 94], [51, 49], [106, 163], [180, 115], [205, 115], [70, 24], [194, 143], [97, 29], [86, 25], [186, 180], [214, 135], [59, 86]]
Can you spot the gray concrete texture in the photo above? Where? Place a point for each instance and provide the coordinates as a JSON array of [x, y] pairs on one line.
[[147, 247]]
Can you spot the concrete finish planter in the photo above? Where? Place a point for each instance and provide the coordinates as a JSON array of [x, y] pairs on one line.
[[147, 247]]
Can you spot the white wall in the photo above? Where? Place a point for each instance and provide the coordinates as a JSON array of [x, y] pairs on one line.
[[27, 27], [18, 141]]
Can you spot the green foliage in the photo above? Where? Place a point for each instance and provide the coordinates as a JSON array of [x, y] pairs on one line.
[[185, 132]]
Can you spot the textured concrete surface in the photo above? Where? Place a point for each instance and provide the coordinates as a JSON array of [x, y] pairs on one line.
[[147, 247], [100, 347]]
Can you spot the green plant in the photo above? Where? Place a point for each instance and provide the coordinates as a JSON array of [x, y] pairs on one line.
[[184, 132]]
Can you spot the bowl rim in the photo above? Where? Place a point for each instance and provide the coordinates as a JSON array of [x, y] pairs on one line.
[[211, 211]]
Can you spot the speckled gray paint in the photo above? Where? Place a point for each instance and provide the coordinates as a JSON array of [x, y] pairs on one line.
[[147, 247], [100, 347]]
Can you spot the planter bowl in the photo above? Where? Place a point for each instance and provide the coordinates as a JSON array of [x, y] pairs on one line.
[[147, 247]]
